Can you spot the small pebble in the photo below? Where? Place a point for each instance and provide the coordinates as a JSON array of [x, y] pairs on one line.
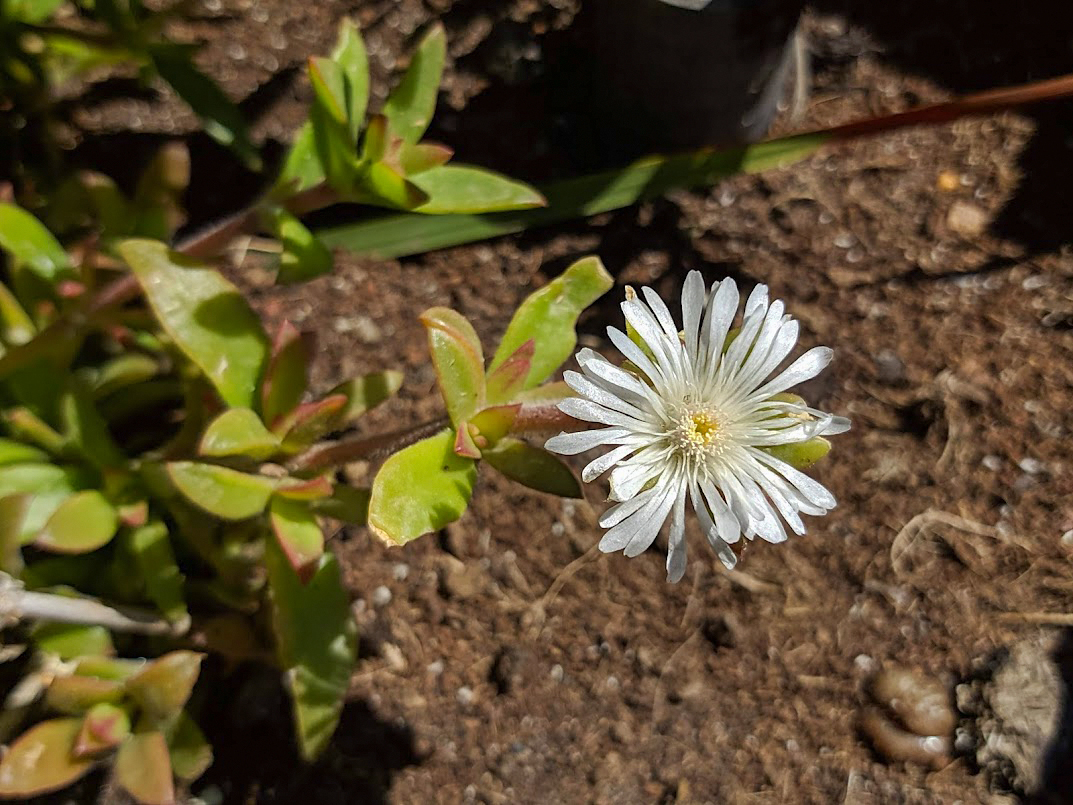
[[921, 703], [1031, 466], [992, 462], [435, 668], [400, 571], [381, 596], [557, 673], [465, 695]]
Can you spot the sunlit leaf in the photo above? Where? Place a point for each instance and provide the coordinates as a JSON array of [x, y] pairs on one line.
[[143, 769], [31, 10], [12, 452], [459, 361], [13, 509], [533, 467], [82, 523], [493, 423], [162, 687], [366, 392], [16, 326], [40, 760], [205, 315], [410, 106], [309, 421], [421, 489], [548, 317], [316, 644], [124, 370], [385, 185], [221, 491], [467, 189], [347, 504], [238, 432], [312, 489]]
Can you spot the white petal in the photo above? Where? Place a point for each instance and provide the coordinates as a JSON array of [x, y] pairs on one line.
[[647, 532], [662, 314], [620, 380], [718, 319], [676, 541], [692, 310], [586, 388], [711, 531], [620, 511], [813, 490], [642, 320], [588, 411], [835, 426], [643, 525], [635, 355], [627, 479], [775, 488], [757, 301], [804, 368], [570, 444], [727, 525], [597, 467]]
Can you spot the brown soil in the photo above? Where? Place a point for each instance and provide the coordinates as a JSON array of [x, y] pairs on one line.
[[513, 663]]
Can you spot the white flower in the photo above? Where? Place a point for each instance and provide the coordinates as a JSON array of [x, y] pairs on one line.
[[691, 420]]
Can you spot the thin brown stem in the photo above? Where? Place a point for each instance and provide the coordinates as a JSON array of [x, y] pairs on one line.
[[337, 453]]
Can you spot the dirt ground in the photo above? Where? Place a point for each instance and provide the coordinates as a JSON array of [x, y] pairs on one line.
[[506, 661]]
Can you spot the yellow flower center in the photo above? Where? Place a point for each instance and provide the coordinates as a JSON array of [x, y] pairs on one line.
[[697, 432]]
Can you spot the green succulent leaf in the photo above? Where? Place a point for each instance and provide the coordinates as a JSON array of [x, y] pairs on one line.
[[41, 760], [410, 106], [143, 768], [298, 533], [385, 185], [316, 643], [105, 727], [151, 550], [47, 485], [801, 455], [346, 504], [421, 489], [162, 688], [238, 432], [82, 523], [366, 392], [190, 753], [459, 361], [301, 169], [123, 371], [16, 326], [13, 452], [303, 257], [221, 118], [493, 423], [205, 315], [70, 640], [221, 491], [313, 489], [13, 509], [85, 430], [309, 421], [287, 374], [75, 694], [508, 378], [417, 158], [533, 467], [467, 189], [548, 318], [31, 245], [158, 199], [31, 10]]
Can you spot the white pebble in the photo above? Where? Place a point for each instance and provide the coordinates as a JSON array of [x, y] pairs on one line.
[[381, 596], [464, 695], [557, 670], [435, 668]]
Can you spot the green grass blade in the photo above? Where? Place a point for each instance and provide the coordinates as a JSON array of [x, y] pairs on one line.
[[400, 235]]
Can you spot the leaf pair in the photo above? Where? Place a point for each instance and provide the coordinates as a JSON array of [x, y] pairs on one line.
[[429, 484]]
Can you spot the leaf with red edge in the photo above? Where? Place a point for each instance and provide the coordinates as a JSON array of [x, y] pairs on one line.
[[310, 421], [104, 727], [420, 157], [40, 760], [287, 374], [507, 379], [313, 489], [464, 444], [221, 491], [459, 361], [143, 769], [299, 534]]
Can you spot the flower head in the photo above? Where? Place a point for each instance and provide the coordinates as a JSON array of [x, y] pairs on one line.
[[694, 416]]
